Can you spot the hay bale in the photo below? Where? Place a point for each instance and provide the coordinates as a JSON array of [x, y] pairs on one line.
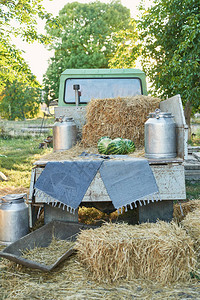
[[161, 252], [118, 117], [191, 224], [181, 210]]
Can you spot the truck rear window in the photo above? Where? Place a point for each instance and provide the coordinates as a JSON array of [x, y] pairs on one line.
[[100, 88]]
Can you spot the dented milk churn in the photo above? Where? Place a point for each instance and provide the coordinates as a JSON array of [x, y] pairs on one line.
[[64, 134], [14, 222], [160, 135]]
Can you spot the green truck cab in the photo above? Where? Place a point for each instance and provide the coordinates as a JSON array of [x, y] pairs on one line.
[[80, 86]]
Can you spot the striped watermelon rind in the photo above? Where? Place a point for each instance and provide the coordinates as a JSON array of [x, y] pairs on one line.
[[116, 146], [130, 145], [102, 138], [125, 151], [103, 144]]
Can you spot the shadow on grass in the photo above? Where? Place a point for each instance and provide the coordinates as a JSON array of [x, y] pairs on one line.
[[192, 190], [20, 155], [19, 152]]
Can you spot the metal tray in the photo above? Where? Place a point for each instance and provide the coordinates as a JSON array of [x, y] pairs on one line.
[[42, 237]]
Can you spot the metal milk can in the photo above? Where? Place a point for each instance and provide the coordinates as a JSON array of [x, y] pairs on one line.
[[14, 222], [160, 135], [64, 134]]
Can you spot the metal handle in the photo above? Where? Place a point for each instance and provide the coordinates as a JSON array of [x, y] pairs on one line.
[[157, 111], [60, 119], [3, 199], [5, 202]]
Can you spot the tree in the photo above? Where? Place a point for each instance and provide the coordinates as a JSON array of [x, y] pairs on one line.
[[19, 18], [170, 35], [19, 101], [12, 66], [85, 39], [128, 48]]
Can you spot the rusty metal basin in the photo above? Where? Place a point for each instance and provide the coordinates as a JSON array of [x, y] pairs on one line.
[[42, 237]]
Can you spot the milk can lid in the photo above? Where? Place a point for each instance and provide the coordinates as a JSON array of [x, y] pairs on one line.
[[68, 119], [13, 197], [160, 114], [62, 119]]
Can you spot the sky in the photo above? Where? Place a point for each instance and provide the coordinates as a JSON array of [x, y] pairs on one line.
[[36, 55]]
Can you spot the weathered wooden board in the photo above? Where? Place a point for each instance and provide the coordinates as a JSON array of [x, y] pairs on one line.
[[170, 179]]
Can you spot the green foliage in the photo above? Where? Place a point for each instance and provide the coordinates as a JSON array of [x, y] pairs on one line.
[[12, 66], [19, 18], [128, 49], [17, 97], [84, 40], [19, 101], [170, 35]]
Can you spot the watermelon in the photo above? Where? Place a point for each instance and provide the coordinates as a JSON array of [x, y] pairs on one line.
[[102, 145], [125, 146], [103, 137], [118, 139], [116, 146], [130, 145]]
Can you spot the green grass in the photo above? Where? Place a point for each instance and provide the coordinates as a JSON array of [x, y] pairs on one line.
[[195, 139], [195, 121], [20, 154], [192, 190]]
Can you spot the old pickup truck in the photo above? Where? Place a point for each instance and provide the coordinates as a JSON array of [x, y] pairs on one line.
[[77, 88]]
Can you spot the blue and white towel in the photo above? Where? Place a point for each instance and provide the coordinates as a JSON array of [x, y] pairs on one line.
[[127, 181], [66, 182]]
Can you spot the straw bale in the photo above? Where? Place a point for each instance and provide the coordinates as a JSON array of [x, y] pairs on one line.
[[191, 224], [118, 117], [162, 252], [182, 209]]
